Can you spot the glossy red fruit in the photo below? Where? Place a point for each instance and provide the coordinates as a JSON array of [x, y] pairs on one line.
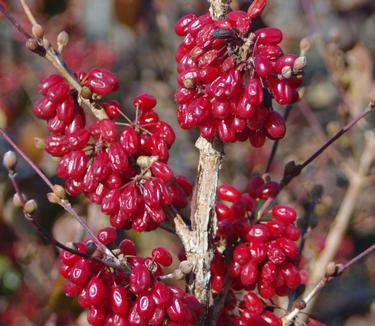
[[118, 158], [258, 232], [257, 138], [263, 66], [57, 145], [249, 273], [119, 300], [145, 102], [270, 319], [129, 140], [44, 109], [226, 87], [229, 193], [268, 190], [176, 310], [80, 271], [162, 256], [185, 184], [182, 25], [65, 111], [58, 93], [284, 213], [102, 81], [256, 8], [269, 35], [161, 295], [104, 129], [110, 202], [275, 125], [276, 228], [95, 292], [241, 254], [72, 165], [107, 235], [253, 303], [112, 108], [72, 289], [139, 279], [127, 247], [254, 91], [162, 171], [50, 81], [145, 306], [96, 317]]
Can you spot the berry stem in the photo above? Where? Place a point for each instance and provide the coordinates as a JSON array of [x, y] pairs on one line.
[[276, 142]]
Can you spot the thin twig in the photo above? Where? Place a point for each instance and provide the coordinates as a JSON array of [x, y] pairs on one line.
[[46, 236], [294, 170], [276, 142], [339, 270], [64, 203]]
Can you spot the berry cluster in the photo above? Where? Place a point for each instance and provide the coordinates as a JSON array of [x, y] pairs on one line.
[[119, 298], [264, 255], [228, 75], [124, 171]]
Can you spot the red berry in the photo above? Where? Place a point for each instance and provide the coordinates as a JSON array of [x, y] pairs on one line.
[[284, 213], [229, 193], [107, 235], [162, 256], [119, 300]]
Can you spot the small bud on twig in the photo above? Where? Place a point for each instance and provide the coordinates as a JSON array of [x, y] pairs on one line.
[[62, 41], [46, 44], [331, 270], [299, 304], [59, 191], [38, 31], [86, 93], [18, 201], [286, 72], [10, 160], [52, 198], [178, 274], [305, 46], [30, 207], [32, 44], [186, 267], [300, 63]]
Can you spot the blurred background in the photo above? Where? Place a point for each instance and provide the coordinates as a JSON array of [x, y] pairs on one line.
[[135, 39]]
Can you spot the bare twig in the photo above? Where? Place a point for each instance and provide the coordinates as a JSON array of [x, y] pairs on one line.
[[339, 226], [335, 271], [64, 203], [293, 170]]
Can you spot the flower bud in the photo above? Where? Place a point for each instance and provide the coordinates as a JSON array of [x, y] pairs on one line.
[[10, 160], [38, 31], [30, 207]]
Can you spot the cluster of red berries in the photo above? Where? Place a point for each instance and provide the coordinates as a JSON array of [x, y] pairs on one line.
[[125, 171], [264, 256], [130, 298], [228, 75]]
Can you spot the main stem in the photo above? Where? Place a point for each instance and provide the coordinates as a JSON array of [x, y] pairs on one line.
[[200, 249]]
